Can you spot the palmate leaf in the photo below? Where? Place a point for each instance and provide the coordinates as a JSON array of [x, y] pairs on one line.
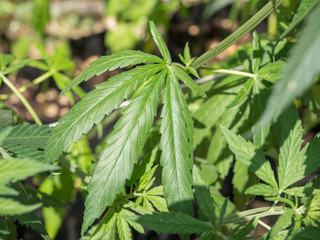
[[122, 150], [94, 106], [117, 60], [27, 141], [300, 71], [176, 149]]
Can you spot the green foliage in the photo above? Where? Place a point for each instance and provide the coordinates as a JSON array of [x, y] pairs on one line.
[[171, 152]]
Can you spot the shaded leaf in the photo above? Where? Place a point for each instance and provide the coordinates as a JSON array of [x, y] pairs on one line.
[[256, 52], [283, 221], [244, 92]]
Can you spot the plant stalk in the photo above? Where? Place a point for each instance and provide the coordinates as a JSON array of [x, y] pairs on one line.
[[29, 85], [234, 72], [239, 33], [22, 99]]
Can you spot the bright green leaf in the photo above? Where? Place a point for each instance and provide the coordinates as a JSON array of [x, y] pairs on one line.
[[94, 106], [117, 60], [11, 207], [262, 190], [157, 38], [283, 221], [256, 52], [176, 150], [187, 80], [122, 150], [272, 71]]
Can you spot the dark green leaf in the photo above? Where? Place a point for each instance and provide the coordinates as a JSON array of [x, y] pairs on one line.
[[117, 60], [27, 141], [122, 150], [157, 38], [172, 222], [223, 212], [18, 65], [203, 196], [301, 69], [94, 106], [6, 118], [176, 148]]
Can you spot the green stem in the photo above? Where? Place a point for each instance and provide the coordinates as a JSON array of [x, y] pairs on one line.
[[239, 33], [234, 72], [22, 98], [29, 85], [271, 212]]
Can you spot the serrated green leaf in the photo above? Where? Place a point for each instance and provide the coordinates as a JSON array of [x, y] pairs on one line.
[[11, 207], [146, 179], [172, 222], [157, 38], [122, 150], [272, 71], [244, 92], [117, 60], [309, 233], [17, 169], [187, 80], [94, 106], [136, 226], [27, 141], [302, 11], [312, 161], [262, 190], [186, 53], [32, 220], [158, 202], [250, 156], [123, 227], [176, 149], [301, 69], [291, 159], [4, 190], [203, 196], [109, 222], [156, 191], [193, 71], [283, 221], [246, 230], [256, 52]]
